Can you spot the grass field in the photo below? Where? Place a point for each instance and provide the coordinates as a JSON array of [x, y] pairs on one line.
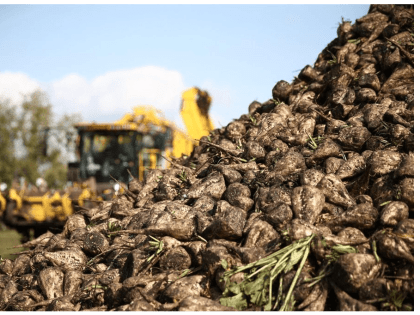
[[8, 239]]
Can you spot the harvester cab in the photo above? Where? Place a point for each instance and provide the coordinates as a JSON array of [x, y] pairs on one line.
[[135, 143]]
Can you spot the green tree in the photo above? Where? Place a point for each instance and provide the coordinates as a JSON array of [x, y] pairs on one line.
[[36, 116], [8, 130]]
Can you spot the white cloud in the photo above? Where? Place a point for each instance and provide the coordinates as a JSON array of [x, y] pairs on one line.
[[117, 92], [72, 89], [14, 86], [109, 96]]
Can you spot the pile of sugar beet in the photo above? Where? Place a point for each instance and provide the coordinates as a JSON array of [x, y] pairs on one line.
[[304, 203]]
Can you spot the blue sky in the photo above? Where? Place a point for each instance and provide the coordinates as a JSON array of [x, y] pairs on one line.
[[101, 60]]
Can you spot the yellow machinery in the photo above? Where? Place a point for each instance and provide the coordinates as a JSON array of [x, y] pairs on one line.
[[194, 112], [135, 143], [2, 203], [50, 206]]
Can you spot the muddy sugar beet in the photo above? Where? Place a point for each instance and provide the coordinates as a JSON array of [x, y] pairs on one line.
[[306, 202]]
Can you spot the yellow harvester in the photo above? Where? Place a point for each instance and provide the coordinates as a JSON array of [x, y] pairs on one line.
[[136, 143]]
